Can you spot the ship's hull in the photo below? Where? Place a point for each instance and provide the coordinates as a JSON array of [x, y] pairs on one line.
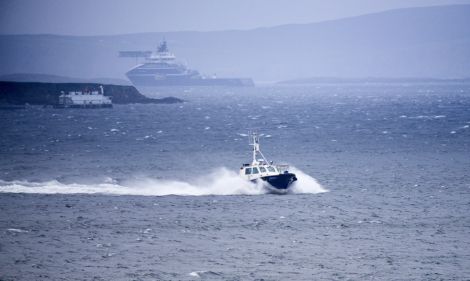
[[153, 81], [280, 182]]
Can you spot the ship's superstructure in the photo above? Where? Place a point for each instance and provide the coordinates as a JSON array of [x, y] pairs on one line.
[[84, 99], [161, 69]]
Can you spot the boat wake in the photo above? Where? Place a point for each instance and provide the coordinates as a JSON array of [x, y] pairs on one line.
[[221, 182]]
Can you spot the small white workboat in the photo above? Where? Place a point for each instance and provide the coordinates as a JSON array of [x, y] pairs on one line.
[[276, 178]]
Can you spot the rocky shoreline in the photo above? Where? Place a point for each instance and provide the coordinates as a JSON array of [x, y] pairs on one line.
[[35, 93]]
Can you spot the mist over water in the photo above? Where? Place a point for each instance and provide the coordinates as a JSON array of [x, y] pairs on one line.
[[371, 45]]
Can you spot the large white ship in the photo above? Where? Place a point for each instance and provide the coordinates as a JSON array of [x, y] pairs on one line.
[[161, 69]]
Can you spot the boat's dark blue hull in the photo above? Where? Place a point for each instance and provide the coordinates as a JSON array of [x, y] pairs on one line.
[[281, 181]]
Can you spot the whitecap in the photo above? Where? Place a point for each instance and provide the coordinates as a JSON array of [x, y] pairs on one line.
[[196, 273], [17, 230]]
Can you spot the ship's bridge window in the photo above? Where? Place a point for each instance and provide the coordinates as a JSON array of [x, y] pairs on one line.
[[271, 169], [255, 171], [262, 169], [248, 171]]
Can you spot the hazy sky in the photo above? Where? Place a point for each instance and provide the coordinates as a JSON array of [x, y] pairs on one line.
[[100, 17]]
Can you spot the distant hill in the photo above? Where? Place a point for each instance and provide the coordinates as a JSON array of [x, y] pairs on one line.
[[49, 78], [334, 80], [414, 42]]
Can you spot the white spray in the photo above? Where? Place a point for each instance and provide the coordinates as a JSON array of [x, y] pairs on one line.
[[220, 182]]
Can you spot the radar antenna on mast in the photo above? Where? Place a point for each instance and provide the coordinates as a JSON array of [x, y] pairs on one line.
[[163, 48]]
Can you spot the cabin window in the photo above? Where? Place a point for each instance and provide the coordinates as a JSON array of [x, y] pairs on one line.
[[255, 171], [247, 171], [271, 169], [262, 169]]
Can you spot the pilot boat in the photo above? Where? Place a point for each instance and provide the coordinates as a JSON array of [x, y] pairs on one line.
[[276, 178]]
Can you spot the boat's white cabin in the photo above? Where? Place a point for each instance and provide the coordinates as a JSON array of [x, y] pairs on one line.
[[252, 172], [260, 167]]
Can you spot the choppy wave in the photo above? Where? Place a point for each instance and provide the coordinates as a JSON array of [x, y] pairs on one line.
[[424, 117], [220, 182]]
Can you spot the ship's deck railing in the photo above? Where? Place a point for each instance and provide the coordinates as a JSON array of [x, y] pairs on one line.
[[282, 168]]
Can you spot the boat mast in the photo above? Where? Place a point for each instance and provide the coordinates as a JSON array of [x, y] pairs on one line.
[[256, 149], [255, 146]]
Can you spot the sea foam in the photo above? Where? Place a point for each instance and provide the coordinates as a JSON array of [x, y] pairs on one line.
[[221, 181]]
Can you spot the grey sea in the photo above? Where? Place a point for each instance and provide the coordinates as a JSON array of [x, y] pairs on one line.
[[151, 192]]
